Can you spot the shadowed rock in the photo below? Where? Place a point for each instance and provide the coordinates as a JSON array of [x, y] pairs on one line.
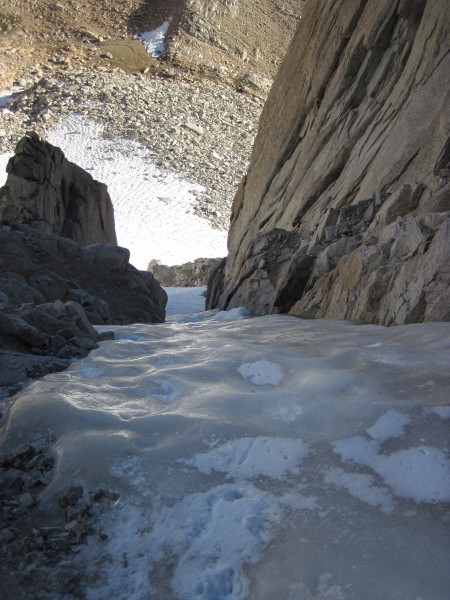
[[52, 292], [46, 191]]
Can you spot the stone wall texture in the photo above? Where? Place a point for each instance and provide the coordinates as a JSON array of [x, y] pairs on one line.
[[345, 210]]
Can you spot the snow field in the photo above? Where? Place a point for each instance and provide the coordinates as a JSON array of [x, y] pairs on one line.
[[301, 474], [153, 209]]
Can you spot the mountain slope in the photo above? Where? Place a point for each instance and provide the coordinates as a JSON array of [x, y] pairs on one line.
[[220, 38]]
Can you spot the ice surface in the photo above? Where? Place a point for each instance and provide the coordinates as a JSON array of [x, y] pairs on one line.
[[185, 300], [231, 315], [332, 483], [153, 209], [90, 372], [154, 40]]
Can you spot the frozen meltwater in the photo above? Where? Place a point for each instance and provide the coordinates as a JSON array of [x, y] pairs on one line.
[[255, 458]]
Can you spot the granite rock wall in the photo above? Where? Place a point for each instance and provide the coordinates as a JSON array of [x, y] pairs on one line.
[[345, 209]]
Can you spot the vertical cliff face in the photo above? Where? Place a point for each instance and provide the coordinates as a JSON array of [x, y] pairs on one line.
[[345, 210], [46, 191]]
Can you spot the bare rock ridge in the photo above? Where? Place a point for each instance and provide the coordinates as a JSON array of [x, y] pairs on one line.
[[46, 191], [345, 209]]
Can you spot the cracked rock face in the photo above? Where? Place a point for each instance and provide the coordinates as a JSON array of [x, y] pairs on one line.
[[350, 170]]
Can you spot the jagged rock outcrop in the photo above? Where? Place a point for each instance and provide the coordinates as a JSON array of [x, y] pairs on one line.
[[190, 274], [52, 292], [345, 210], [46, 191]]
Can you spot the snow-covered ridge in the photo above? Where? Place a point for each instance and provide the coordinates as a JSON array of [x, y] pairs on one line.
[[256, 458]]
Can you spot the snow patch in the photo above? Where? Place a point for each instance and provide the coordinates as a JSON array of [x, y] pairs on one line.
[[248, 458], [441, 411], [4, 158], [362, 487], [287, 413], [153, 41], [8, 96], [390, 425], [419, 473], [214, 534], [262, 372]]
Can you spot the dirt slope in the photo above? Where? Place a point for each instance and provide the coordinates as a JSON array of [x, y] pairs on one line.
[[219, 38]]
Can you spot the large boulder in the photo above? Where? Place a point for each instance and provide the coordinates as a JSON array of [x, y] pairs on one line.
[[52, 292], [46, 191], [345, 210], [42, 267]]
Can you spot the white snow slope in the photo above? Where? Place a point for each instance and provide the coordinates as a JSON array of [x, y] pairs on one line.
[[266, 458], [153, 209]]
